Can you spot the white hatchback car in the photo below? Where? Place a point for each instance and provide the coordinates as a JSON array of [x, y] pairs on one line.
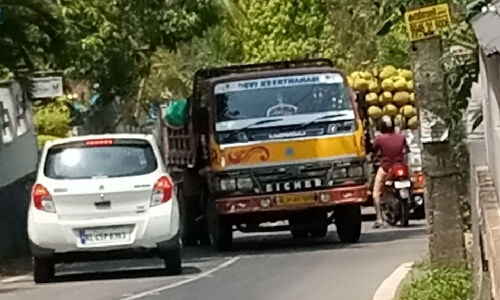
[[103, 196]]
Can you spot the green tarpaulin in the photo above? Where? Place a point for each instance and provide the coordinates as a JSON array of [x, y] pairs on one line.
[[177, 112]]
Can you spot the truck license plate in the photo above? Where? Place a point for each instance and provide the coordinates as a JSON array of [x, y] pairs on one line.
[[294, 200]]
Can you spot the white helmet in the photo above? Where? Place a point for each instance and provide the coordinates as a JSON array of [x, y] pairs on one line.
[[386, 124]]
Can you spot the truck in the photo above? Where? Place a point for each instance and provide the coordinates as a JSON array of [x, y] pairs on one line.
[[279, 142]]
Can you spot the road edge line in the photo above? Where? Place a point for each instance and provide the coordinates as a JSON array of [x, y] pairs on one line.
[[225, 264], [387, 290], [13, 279]]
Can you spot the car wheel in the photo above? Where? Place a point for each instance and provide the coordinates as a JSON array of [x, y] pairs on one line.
[[173, 261], [43, 270], [348, 220]]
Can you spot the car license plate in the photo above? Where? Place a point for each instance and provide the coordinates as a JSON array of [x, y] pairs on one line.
[[106, 235], [294, 200], [402, 184]]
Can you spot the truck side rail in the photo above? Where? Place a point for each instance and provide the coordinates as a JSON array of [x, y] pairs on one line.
[[177, 144]]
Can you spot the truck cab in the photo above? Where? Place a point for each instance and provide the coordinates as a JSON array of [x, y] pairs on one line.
[[266, 143]]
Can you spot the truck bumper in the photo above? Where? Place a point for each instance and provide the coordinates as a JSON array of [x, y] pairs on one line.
[[273, 202]]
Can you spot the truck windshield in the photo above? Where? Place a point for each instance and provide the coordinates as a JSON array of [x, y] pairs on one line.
[[289, 97]]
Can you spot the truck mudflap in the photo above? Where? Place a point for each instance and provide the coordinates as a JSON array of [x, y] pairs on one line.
[[293, 201]]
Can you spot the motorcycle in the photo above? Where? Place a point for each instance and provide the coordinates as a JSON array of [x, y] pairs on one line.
[[397, 196], [417, 205]]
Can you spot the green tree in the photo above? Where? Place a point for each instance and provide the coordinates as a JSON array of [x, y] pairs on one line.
[[30, 33], [112, 43], [53, 118], [278, 30]]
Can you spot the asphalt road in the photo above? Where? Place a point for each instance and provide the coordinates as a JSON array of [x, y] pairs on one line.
[[261, 266]]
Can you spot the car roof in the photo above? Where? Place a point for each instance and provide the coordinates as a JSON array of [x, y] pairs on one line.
[[98, 136]]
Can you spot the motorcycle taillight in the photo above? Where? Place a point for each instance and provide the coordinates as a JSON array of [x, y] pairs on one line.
[[400, 171]]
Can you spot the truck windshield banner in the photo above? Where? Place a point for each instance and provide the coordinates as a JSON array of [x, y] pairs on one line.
[[278, 82]]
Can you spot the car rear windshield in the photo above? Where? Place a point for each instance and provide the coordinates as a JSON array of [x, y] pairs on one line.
[[115, 158]]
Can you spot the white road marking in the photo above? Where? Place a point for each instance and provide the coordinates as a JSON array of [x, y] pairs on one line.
[[183, 282], [16, 279], [387, 290]]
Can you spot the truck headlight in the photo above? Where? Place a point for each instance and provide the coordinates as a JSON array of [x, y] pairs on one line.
[[339, 173], [245, 183], [347, 126], [332, 128], [228, 184], [355, 171]]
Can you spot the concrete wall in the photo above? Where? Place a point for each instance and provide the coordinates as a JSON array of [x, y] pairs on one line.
[[18, 162], [484, 147], [14, 200], [489, 84], [18, 145]]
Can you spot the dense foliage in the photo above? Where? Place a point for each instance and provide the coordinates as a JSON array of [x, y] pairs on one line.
[[147, 51], [437, 283], [110, 43], [53, 118]]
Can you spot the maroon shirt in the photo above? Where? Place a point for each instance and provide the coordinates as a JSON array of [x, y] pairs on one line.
[[391, 148]]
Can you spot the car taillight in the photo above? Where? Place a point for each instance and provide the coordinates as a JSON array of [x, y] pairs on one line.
[[97, 143], [42, 200], [162, 191]]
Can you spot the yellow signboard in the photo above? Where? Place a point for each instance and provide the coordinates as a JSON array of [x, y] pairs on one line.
[[427, 22]]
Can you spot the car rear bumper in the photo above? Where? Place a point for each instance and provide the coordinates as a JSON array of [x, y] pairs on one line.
[[49, 235], [356, 194], [106, 254]]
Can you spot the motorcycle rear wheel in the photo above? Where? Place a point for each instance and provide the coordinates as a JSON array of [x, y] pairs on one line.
[[404, 212], [389, 210]]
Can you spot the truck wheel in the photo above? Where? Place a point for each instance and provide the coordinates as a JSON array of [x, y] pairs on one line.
[[189, 227], [299, 233], [298, 226], [220, 231], [320, 227], [319, 232], [203, 234], [173, 261], [43, 270], [348, 221]]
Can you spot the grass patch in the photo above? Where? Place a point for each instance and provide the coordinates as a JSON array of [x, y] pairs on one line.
[[436, 283]]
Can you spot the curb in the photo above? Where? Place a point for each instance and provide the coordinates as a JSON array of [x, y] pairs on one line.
[[387, 290], [14, 279]]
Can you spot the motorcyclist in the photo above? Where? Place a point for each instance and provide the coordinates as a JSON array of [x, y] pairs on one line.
[[390, 148]]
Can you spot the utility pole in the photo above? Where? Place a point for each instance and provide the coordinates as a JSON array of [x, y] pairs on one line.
[[446, 240]]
